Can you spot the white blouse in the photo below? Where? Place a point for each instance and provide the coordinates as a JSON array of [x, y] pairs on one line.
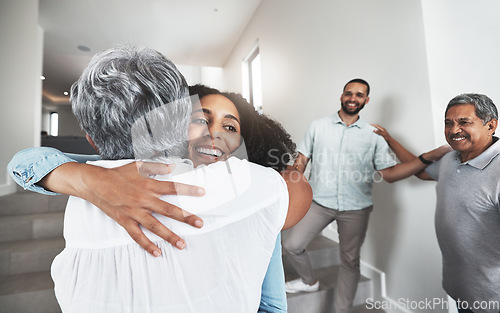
[[221, 269]]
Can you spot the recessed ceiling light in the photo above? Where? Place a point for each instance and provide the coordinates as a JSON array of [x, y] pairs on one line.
[[83, 48], [42, 77], [66, 93]]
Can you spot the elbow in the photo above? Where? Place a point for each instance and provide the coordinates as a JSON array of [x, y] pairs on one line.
[[308, 197], [387, 176], [391, 177], [300, 202], [422, 175], [390, 180]]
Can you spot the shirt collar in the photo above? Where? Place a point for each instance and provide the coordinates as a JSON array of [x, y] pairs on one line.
[[485, 158], [360, 123]]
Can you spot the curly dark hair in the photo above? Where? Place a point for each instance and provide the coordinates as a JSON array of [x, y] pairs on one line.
[[266, 141]]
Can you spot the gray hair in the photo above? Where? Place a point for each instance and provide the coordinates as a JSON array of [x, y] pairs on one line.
[[117, 89], [486, 110]]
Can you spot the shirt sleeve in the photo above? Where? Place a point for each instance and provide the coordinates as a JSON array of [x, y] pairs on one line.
[[29, 166], [384, 157], [306, 145], [433, 170]]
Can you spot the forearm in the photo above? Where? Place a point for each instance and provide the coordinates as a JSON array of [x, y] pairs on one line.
[[125, 193], [401, 152], [402, 170], [68, 179], [414, 167], [128, 196]]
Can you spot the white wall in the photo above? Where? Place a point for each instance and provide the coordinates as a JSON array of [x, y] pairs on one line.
[[206, 75], [462, 48], [309, 49], [20, 85]]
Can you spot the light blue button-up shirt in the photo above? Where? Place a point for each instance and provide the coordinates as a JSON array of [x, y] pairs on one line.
[[344, 162]]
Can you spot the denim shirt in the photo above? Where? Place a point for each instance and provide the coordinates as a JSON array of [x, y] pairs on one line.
[[29, 166]]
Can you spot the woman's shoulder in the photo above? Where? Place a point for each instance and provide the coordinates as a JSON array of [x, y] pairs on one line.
[[264, 177]]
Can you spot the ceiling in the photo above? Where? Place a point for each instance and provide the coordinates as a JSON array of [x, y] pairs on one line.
[[189, 32]]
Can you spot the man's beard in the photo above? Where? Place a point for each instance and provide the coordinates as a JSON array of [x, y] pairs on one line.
[[349, 111]]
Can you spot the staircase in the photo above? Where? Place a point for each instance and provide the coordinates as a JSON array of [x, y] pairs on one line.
[[325, 260], [30, 237]]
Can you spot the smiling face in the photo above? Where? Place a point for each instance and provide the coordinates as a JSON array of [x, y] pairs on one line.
[[465, 132], [354, 98], [214, 132]]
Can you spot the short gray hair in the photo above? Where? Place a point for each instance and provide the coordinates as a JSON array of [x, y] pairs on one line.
[[486, 110], [118, 88]]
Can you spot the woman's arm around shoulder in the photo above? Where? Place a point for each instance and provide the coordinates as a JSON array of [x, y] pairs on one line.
[[124, 193]]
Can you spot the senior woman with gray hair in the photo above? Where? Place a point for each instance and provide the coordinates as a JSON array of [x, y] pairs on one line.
[[117, 89], [133, 102]]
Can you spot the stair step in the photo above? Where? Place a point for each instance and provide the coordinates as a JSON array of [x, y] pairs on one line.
[[25, 256], [27, 202], [321, 301], [28, 293], [322, 252], [31, 226]]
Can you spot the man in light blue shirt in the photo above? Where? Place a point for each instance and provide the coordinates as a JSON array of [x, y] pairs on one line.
[[347, 157], [345, 163]]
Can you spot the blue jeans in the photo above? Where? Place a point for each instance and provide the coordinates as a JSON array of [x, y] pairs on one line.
[[273, 297]]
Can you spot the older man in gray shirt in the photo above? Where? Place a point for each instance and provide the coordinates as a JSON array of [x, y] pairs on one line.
[[468, 196], [468, 210]]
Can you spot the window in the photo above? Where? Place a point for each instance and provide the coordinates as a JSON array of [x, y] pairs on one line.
[[252, 79], [54, 123]]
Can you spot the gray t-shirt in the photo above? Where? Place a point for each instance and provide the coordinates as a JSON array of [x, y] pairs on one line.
[[468, 226]]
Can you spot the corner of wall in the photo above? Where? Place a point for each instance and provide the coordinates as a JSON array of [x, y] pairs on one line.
[[7, 188]]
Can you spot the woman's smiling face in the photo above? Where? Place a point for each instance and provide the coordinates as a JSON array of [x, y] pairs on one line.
[[214, 132]]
